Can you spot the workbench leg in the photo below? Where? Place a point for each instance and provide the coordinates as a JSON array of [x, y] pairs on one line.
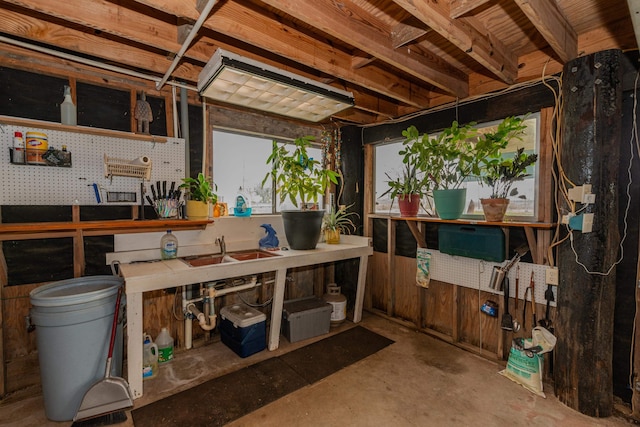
[[362, 279], [134, 343], [276, 309]]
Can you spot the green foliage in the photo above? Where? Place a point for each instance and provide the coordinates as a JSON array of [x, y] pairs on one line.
[[501, 174], [296, 175], [339, 219], [201, 188]]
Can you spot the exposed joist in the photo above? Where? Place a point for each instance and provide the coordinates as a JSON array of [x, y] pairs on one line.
[[457, 8], [405, 33], [361, 60], [481, 46], [267, 32], [324, 15], [553, 25]]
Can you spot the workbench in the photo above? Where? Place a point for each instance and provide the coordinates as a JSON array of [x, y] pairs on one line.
[[150, 276]]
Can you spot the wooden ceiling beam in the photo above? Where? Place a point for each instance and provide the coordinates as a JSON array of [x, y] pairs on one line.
[[553, 25], [325, 16], [463, 33], [403, 34], [457, 8], [267, 32]]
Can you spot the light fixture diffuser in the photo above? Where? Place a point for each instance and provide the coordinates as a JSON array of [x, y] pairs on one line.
[[231, 78]]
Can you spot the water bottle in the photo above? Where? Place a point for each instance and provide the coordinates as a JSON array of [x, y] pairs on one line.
[[168, 246], [149, 359], [164, 341]]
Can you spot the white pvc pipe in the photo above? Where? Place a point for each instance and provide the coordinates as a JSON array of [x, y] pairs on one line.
[[90, 62], [202, 319], [192, 34]]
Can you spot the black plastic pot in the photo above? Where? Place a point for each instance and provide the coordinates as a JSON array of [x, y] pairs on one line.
[[302, 228]]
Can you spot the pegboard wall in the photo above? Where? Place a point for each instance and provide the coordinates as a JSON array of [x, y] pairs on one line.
[[476, 274], [51, 185]]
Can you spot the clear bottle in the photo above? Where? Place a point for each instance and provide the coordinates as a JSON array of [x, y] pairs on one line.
[[149, 358], [68, 114], [169, 246], [164, 341], [243, 204]]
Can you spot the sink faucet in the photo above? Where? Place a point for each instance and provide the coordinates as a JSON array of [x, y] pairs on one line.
[[223, 246]]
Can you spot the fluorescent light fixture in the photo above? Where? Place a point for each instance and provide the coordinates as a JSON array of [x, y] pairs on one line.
[[231, 78]]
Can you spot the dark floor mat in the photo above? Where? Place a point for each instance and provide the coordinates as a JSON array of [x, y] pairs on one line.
[[231, 396]]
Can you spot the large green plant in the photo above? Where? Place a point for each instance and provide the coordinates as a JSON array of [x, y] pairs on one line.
[[500, 173], [297, 176], [200, 188]]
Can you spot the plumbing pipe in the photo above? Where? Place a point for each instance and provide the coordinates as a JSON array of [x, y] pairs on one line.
[[90, 62], [184, 124], [185, 45], [188, 326], [202, 320]]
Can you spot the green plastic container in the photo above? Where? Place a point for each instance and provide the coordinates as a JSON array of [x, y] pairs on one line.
[[450, 203]]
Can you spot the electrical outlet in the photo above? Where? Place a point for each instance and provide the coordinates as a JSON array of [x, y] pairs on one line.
[[551, 276], [587, 223], [589, 198]]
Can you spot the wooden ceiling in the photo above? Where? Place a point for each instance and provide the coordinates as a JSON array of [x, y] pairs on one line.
[[396, 56]]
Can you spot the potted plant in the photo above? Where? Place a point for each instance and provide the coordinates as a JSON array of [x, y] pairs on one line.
[[302, 180], [336, 222], [500, 175], [200, 193], [413, 185]]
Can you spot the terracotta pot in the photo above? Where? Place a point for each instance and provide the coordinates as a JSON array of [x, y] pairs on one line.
[[409, 205], [494, 209], [197, 210]]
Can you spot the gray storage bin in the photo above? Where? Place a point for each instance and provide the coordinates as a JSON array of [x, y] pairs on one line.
[[306, 318]]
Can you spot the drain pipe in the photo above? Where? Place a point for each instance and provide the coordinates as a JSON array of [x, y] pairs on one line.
[[184, 123], [185, 45]]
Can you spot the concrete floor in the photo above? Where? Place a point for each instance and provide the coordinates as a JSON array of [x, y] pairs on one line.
[[417, 381]]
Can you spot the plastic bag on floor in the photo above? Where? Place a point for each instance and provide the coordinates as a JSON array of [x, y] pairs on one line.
[[525, 366]]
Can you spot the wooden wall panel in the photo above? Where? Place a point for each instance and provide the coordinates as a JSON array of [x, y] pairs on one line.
[[477, 328], [440, 307], [407, 301], [377, 287]]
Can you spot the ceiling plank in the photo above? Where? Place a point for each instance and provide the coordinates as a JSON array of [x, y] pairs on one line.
[[340, 23], [457, 8], [553, 25], [481, 46]]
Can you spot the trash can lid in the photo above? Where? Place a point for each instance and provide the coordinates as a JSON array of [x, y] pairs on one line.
[[75, 291]]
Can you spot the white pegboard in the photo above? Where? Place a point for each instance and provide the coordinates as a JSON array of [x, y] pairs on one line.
[[50, 185], [476, 274]]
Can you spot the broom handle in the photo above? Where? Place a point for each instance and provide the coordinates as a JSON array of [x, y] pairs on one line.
[[112, 340]]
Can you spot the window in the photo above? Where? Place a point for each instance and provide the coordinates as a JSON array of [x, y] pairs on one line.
[[523, 206], [239, 162]]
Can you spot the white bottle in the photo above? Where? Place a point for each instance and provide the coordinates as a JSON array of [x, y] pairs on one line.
[[68, 113], [18, 148], [149, 359], [164, 341], [168, 246]]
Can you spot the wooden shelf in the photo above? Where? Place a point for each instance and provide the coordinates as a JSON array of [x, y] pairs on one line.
[[37, 230], [17, 121]]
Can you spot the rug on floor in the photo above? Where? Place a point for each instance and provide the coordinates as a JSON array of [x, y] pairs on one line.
[[236, 394]]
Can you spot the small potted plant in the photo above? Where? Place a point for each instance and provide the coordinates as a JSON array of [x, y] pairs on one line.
[[500, 175], [200, 193], [336, 222], [302, 180], [413, 185]]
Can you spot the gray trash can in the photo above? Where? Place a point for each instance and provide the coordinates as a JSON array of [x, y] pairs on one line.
[[73, 321]]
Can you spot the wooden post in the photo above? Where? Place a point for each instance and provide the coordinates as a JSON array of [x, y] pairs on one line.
[[591, 136]]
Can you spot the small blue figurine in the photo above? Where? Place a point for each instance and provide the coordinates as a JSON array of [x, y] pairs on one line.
[[269, 241]]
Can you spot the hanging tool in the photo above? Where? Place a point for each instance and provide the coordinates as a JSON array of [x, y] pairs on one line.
[[524, 309], [532, 285], [498, 273], [516, 324], [507, 320], [547, 323]]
